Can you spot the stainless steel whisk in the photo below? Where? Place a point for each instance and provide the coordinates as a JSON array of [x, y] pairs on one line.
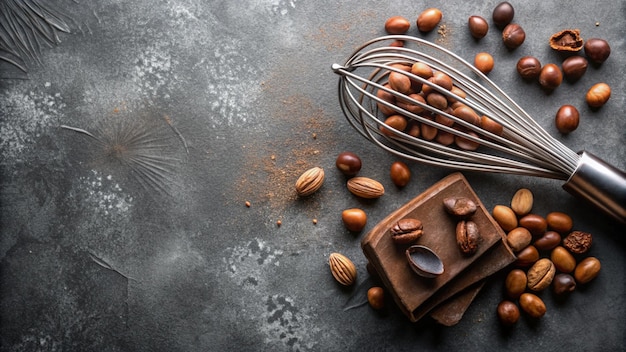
[[523, 147]]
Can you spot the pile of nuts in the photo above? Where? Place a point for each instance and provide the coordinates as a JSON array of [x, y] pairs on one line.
[[544, 258]]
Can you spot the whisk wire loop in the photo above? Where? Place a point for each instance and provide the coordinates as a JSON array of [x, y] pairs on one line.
[[523, 148]]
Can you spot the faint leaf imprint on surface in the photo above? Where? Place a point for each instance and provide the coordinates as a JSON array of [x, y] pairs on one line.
[[25, 26]]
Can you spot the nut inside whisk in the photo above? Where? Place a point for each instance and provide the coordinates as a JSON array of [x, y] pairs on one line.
[[425, 103]]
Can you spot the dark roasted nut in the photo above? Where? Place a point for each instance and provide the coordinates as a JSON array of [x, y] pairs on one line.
[[467, 236], [536, 224], [508, 313], [400, 174], [597, 50], [513, 36], [550, 77], [406, 231], [578, 242], [527, 256], [532, 305], [548, 241], [540, 275], [478, 26], [460, 207], [376, 297], [587, 270], [348, 163], [515, 283], [563, 284], [503, 14], [528, 67], [567, 119], [566, 40], [574, 67]]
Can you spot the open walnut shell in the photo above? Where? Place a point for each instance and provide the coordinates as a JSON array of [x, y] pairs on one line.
[[567, 40]]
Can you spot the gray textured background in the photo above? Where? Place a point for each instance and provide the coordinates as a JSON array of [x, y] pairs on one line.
[[236, 99]]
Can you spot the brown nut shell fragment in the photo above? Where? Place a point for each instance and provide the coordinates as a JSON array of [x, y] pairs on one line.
[[406, 231], [578, 242], [567, 40], [467, 237], [540, 275], [460, 207]]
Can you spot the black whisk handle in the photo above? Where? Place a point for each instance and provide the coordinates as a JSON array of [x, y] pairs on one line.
[[601, 184]]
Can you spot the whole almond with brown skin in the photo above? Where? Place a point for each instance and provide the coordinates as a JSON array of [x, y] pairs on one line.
[[540, 275], [515, 283], [532, 305], [365, 187], [548, 241], [563, 260], [310, 181], [522, 201], [536, 224], [342, 268], [518, 238], [505, 217], [397, 25]]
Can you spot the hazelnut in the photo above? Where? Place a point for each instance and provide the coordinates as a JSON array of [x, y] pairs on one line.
[[508, 313], [376, 297], [513, 36], [567, 118], [483, 62], [574, 67], [348, 163], [597, 50], [550, 77], [598, 95], [563, 284], [503, 14], [400, 174], [478, 26], [528, 67], [354, 219]]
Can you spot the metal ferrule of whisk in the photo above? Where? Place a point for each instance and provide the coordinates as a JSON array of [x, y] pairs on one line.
[[516, 145]]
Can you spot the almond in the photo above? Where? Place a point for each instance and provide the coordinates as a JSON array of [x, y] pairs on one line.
[[310, 181], [365, 187], [342, 268], [522, 202]]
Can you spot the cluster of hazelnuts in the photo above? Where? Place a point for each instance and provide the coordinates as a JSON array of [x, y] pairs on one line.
[[550, 76]]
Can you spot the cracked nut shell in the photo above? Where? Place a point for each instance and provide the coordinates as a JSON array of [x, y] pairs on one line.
[[467, 236], [406, 231], [460, 207], [566, 40], [540, 275]]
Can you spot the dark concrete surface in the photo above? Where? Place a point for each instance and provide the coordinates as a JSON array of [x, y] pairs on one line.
[[137, 238]]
